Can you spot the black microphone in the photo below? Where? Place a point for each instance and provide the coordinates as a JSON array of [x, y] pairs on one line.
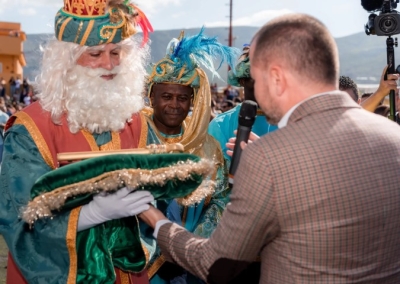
[[371, 5], [247, 116]]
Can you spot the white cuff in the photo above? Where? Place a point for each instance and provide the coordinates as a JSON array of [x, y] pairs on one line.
[[158, 226]]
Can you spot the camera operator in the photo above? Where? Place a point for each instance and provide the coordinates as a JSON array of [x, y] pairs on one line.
[[385, 86]]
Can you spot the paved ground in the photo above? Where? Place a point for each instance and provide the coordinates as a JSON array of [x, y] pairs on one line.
[[3, 260]]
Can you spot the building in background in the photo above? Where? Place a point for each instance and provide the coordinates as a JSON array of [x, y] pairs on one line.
[[12, 59]]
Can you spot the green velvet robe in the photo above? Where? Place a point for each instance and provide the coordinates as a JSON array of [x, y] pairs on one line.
[[43, 253]]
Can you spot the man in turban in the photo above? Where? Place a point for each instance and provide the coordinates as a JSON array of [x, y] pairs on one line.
[[177, 82], [223, 126]]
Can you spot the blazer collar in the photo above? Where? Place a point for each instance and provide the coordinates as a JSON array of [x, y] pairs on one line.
[[321, 104]]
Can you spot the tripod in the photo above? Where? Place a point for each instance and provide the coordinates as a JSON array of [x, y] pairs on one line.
[[390, 44]]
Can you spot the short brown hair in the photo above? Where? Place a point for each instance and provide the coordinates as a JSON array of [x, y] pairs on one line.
[[303, 42]]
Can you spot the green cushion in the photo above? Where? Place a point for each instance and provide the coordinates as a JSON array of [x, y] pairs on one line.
[[78, 172], [116, 242]]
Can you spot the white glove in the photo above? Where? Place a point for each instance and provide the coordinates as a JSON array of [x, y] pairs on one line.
[[120, 204]]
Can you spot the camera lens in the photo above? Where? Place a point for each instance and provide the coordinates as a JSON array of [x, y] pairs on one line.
[[388, 24]]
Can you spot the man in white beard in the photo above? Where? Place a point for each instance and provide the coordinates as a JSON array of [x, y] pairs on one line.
[[90, 93], [103, 100]]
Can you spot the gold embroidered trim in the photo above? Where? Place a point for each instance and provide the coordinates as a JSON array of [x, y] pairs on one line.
[[43, 205], [78, 32], [208, 200], [143, 132], [87, 32], [64, 24], [116, 141], [190, 81], [112, 36], [124, 276], [71, 245], [114, 144], [146, 253], [170, 140], [181, 72], [90, 139], [24, 119], [152, 270], [59, 20], [117, 21], [144, 248]]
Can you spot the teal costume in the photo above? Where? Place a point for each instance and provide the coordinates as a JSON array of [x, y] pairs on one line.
[[51, 251], [44, 252], [93, 23], [223, 126]]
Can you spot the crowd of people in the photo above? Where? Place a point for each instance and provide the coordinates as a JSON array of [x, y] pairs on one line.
[[14, 96], [374, 101], [315, 197]]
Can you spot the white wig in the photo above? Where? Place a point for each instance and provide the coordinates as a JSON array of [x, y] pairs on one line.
[[89, 101]]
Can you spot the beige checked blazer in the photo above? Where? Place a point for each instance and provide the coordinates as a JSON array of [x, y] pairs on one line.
[[319, 200]]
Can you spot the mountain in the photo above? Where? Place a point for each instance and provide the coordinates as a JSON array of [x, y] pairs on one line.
[[362, 57]]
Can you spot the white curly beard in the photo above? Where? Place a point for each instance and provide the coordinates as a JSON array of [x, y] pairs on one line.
[[89, 101], [100, 105]]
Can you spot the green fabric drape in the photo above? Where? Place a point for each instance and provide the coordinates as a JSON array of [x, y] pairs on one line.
[[91, 168], [117, 242]]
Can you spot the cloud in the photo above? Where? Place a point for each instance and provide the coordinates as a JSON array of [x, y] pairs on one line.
[[3, 5], [257, 19], [150, 7], [37, 3], [178, 15], [27, 11]]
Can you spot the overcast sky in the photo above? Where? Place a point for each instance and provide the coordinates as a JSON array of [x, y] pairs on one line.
[[343, 17]]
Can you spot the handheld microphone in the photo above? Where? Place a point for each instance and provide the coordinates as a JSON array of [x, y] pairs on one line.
[[247, 116]]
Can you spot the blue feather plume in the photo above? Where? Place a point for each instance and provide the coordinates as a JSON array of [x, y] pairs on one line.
[[203, 50]]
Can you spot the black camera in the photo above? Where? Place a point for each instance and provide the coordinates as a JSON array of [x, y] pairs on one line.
[[387, 23]]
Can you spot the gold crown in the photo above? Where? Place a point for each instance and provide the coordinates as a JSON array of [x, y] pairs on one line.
[[85, 8]]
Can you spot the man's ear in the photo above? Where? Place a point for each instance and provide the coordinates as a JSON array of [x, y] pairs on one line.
[[151, 97], [277, 80]]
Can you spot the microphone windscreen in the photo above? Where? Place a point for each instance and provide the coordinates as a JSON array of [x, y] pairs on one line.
[[247, 114], [371, 5]]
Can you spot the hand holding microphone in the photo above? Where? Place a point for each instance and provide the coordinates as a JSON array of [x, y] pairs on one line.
[[232, 141], [247, 116]]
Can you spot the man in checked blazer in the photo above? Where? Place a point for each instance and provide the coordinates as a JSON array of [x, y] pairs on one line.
[[318, 199]]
